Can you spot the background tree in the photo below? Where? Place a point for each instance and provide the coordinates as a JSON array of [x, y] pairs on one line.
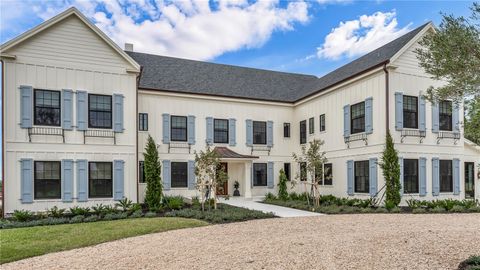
[[282, 186], [391, 172], [452, 54], [152, 169], [314, 159], [209, 175], [472, 120]]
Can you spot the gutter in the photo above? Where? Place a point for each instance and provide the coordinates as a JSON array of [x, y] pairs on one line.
[[387, 92], [3, 138], [136, 131]]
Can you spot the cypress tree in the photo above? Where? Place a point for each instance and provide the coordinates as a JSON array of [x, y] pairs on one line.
[[282, 186], [152, 168], [391, 173]]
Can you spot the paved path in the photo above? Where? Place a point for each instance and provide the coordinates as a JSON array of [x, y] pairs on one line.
[[277, 210], [367, 241]]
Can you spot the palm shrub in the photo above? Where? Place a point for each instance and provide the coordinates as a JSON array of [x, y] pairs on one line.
[[153, 194], [282, 186], [391, 173]]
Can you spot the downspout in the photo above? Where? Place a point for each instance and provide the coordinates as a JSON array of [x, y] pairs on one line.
[[136, 131], [3, 138], [387, 92]]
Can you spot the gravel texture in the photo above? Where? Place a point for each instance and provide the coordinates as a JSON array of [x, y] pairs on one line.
[[369, 241]]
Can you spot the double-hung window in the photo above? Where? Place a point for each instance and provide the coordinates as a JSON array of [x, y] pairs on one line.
[[178, 128], [47, 180], [286, 130], [322, 122], [362, 181], [303, 171], [100, 179], [303, 132], [445, 115], [179, 175], [143, 121], [328, 174], [220, 131], [311, 125], [358, 117], [446, 176], [410, 112], [99, 111], [410, 176], [259, 132], [141, 171], [259, 174], [286, 169], [47, 107]]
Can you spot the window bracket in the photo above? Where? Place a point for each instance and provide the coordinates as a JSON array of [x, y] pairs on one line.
[[49, 131], [98, 133], [260, 149], [448, 135], [413, 133], [356, 137], [180, 145]]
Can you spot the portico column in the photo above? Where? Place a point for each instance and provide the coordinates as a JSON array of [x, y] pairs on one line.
[[248, 176]]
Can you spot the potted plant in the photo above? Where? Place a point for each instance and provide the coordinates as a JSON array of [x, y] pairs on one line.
[[236, 185]]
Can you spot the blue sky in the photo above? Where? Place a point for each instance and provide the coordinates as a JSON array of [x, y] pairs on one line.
[[311, 37]]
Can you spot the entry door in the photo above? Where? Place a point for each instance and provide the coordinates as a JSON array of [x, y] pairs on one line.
[[223, 189], [469, 180]]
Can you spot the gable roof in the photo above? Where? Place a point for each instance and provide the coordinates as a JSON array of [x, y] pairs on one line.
[[170, 74], [60, 17]]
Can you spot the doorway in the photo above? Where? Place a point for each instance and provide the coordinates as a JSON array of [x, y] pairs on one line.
[[469, 180], [222, 189]]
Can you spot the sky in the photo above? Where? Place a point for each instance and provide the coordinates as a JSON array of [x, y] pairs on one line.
[[309, 37]]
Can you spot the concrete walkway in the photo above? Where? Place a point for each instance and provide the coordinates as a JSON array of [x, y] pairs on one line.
[[279, 211]]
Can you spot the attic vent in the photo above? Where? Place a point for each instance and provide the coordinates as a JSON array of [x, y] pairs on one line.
[[129, 47]]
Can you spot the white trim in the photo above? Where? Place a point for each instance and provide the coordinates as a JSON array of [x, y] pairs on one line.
[[427, 27], [60, 17]]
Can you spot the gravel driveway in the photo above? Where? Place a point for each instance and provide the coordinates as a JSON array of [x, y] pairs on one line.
[[375, 241]]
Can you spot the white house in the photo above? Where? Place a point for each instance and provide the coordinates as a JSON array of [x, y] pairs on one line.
[[77, 110]]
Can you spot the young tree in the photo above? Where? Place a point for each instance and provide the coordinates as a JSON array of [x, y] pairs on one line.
[[282, 186], [209, 175], [452, 54], [314, 159], [391, 173], [152, 169], [472, 120]]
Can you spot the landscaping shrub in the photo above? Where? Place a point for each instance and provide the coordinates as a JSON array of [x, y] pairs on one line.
[[98, 209], [474, 209], [391, 172], [137, 214], [223, 214], [91, 218], [270, 196], [282, 186], [124, 204], [56, 212], [77, 210], [472, 263], [174, 202], [396, 209], [22, 215], [367, 210], [390, 205], [457, 209], [381, 210], [77, 219], [438, 209], [419, 211], [150, 214]]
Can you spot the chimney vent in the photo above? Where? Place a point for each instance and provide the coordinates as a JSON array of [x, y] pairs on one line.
[[129, 47]]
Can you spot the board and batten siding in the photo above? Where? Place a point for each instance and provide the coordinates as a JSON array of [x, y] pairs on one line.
[[68, 55]]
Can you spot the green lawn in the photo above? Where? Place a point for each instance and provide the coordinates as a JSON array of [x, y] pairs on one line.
[[20, 243]]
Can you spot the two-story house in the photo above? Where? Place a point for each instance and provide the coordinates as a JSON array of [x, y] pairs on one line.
[[77, 111]]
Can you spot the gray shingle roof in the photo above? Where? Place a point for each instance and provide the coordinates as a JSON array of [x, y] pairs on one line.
[[195, 77]]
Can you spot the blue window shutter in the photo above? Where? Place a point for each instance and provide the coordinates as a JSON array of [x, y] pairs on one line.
[[191, 174], [209, 139], [167, 183], [270, 178], [191, 129], [67, 109], [270, 133], [26, 166], [400, 160], [350, 177], [118, 113], [346, 120], [435, 177], [422, 126], [398, 110], [435, 116], [369, 115], [26, 106], [118, 179], [82, 180], [67, 180], [373, 176], [249, 128], [166, 128], [456, 118], [422, 174], [456, 176], [232, 130], [82, 108]]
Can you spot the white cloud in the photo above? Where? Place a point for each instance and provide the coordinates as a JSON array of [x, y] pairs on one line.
[[356, 37], [193, 29]]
